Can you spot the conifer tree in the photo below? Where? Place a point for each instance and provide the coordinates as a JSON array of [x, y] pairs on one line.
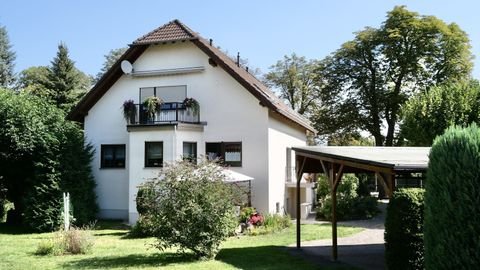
[[63, 78], [7, 59]]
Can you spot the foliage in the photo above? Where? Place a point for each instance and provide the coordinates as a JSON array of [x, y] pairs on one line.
[[452, 216], [349, 139], [256, 219], [35, 80], [349, 204], [246, 213], [76, 175], [192, 207], [67, 83], [293, 78], [152, 105], [7, 60], [272, 223], [46, 247], [192, 103], [129, 110], [43, 155], [429, 114], [110, 59], [365, 82], [74, 241], [404, 230]]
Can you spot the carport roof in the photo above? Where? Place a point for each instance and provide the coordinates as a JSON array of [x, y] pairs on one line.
[[395, 158]]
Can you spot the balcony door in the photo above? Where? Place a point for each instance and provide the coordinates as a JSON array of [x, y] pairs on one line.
[[169, 95]]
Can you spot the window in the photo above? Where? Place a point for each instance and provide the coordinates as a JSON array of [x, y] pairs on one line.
[[112, 156], [190, 151], [172, 96], [153, 154], [229, 152]]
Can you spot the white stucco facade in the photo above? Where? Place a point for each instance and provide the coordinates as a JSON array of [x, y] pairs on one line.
[[228, 113]]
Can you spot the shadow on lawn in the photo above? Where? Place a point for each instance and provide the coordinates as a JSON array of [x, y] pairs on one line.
[[133, 260], [262, 257], [13, 229]]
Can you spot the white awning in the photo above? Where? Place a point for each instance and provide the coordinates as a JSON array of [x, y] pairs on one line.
[[232, 176]]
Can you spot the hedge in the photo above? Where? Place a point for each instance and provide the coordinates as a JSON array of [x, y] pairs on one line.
[[404, 230], [452, 212]]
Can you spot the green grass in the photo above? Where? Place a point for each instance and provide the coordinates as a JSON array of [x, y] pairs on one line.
[[114, 250]]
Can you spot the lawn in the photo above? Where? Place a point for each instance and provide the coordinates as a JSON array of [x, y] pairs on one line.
[[114, 250]]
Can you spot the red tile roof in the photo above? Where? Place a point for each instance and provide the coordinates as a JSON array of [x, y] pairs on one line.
[[177, 31], [172, 31]]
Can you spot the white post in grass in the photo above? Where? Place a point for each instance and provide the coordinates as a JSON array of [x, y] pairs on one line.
[[66, 210]]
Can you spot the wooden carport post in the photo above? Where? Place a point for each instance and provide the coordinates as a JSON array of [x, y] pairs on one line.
[[299, 172], [334, 179]]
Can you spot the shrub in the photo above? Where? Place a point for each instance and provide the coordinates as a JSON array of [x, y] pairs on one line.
[[349, 204], [191, 208], [272, 223], [43, 155], [256, 219], [143, 227], [246, 213], [74, 241], [452, 215], [46, 247], [404, 230]]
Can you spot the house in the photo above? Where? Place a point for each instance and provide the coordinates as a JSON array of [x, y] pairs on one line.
[[239, 120]]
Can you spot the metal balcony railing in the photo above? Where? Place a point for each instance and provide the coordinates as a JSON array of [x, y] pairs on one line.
[[170, 112]]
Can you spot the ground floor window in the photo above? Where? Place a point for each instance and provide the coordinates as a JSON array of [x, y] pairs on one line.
[[153, 154], [190, 151], [112, 156], [229, 152]]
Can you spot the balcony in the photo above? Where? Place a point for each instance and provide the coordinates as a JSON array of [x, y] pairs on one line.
[[170, 113]]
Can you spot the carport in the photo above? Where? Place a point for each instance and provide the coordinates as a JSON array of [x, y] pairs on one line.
[[385, 162]]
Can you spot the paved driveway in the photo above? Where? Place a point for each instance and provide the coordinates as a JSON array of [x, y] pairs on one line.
[[364, 250]]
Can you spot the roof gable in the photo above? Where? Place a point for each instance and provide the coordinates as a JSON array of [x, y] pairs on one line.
[[172, 31], [177, 31]]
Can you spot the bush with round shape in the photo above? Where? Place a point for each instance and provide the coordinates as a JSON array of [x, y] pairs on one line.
[[404, 230], [191, 208], [349, 204], [452, 213]]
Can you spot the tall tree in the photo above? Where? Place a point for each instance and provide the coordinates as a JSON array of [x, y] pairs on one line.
[[66, 82], [110, 59], [428, 114], [293, 78], [41, 155], [7, 60], [370, 77], [34, 80]]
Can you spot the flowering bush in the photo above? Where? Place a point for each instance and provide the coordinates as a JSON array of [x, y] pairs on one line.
[[191, 103], [256, 219]]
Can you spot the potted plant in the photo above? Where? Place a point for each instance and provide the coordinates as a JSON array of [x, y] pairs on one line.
[[152, 105], [129, 111], [191, 103]]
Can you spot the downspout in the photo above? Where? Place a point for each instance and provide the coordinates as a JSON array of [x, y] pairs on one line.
[[174, 143]]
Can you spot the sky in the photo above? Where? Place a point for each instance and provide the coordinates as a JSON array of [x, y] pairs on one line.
[[262, 31]]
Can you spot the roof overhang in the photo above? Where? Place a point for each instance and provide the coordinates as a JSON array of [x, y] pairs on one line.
[[365, 159]]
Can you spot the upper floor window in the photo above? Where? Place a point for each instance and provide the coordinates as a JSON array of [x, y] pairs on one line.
[[112, 156], [190, 151], [229, 152], [153, 154]]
